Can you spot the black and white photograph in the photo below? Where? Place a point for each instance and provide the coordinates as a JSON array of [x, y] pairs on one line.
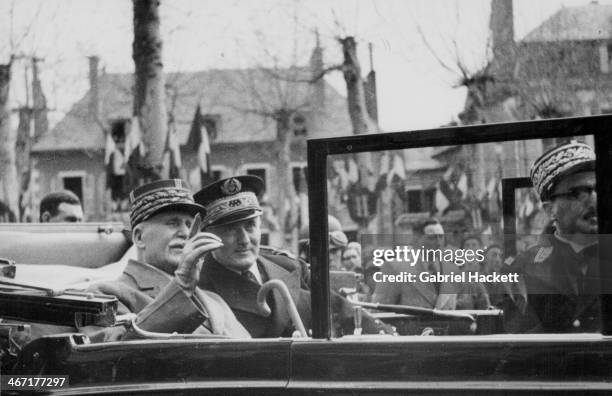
[[305, 197]]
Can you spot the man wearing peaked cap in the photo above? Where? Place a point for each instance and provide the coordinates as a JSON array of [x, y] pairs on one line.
[[237, 270], [231, 200], [561, 273], [160, 286]]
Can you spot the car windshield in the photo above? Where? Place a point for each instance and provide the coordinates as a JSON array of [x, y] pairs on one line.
[[419, 234]]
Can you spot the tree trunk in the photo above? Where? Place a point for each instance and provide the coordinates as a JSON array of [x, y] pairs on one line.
[[39, 104], [9, 194], [149, 89], [359, 116], [287, 210], [354, 86], [23, 149]]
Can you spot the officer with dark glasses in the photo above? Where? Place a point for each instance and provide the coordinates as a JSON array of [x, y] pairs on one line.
[[561, 272]]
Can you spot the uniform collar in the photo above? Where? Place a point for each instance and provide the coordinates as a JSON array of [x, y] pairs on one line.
[[145, 275], [576, 247], [252, 269]]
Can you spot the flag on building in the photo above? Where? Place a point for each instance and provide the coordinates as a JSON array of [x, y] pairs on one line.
[[133, 140], [134, 153], [200, 140], [173, 152], [397, 170], [441, 201], [109, 148]]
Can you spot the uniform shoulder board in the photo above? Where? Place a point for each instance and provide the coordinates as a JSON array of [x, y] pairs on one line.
[[276, 252], [509, 260], [543, 253]]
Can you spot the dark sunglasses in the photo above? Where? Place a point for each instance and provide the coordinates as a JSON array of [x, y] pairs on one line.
[[576, 193]]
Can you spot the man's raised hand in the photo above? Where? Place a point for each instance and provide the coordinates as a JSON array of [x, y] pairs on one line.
[[198, 244]]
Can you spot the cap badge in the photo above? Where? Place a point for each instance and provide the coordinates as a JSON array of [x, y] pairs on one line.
[[231, 186]]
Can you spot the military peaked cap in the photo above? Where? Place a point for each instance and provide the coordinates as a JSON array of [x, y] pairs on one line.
[[560, 162], [230, 200], [159, 195]]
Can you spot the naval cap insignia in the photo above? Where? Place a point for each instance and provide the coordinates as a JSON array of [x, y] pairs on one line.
[[231, 186]]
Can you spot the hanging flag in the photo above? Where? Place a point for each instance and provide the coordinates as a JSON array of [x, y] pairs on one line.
[[440, 200], [397, 169], [204, 155], [199, 140], [303, 204], [133, 140], [134, 153], [109, 148], [462, 185], [339, 167], [173, 149], [353, 171], [527, 206]]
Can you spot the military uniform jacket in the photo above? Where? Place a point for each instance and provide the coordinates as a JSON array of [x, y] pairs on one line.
[[241, 294], [163, 306], [562, 288]]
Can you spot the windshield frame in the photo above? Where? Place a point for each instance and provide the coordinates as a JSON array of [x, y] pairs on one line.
[[320, 149]]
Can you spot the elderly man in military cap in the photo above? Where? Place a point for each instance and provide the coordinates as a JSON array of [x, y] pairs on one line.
[[237, 270], [160, 286], [561, 272]]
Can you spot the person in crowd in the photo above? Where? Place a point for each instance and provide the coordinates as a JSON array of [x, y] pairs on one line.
[[61, 207], [237, 270], [351, 261], [472, 295], [351, 257], [561, 273], [420, 294], [493, 259], [493, 263], [337, 243], [160, 286], [472, 242]]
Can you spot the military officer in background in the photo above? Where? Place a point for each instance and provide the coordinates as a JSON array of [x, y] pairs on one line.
[[237, 270], [561, 273]]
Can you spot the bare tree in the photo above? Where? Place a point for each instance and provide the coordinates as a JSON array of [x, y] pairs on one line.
[[361, 123], [8, 140], [149, 87], [279, 95]]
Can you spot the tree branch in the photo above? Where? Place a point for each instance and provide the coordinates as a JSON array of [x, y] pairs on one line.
[[433, 53]]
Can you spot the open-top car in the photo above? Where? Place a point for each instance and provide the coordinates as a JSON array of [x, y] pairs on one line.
[[380, 187]]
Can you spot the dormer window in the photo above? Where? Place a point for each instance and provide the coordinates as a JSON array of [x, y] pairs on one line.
[[298, 124], [212, 123]]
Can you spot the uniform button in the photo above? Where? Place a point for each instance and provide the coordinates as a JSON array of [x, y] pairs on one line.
[[576, 323]]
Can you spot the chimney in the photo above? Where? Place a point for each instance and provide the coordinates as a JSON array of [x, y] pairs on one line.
[[316, 70], [501, 26], [94, 89]]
